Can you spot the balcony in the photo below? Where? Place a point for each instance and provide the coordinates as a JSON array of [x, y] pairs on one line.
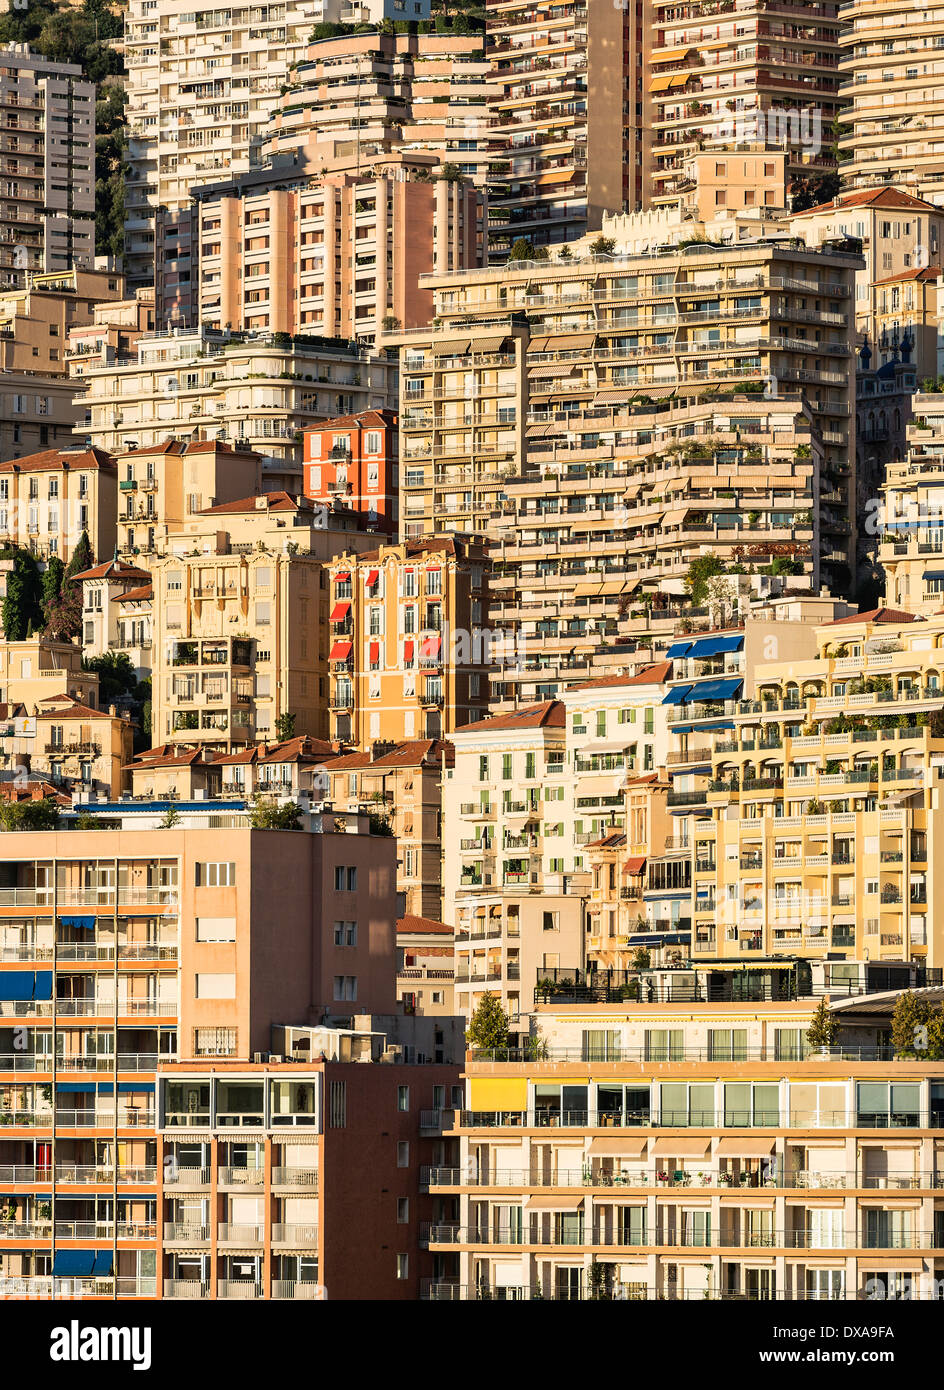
[[296, 1177], [303, 1236], [239, 1234], [241, 1177], [238, 1288]]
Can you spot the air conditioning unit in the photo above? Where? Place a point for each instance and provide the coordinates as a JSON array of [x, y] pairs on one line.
[[200, 794], [275, 1057], [260, 1056], [392, 1054]]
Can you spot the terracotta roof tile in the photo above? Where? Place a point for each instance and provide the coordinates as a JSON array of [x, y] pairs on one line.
[[427, 925], [49, 460], [548, 714], [875, 615], [649, 675], [886, 197]]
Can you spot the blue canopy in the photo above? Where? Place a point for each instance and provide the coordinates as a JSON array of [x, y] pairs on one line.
[[677, 695], [78, 923], [147, 1086], [43, 986], [678, 649], [17, 984], [104, 1261], [73, 1263], [714, 646], [717, 690], [934, 574], [702, 728], [75, 1086]]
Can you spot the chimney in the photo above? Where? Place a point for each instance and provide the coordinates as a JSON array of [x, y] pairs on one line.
[[113, 711]]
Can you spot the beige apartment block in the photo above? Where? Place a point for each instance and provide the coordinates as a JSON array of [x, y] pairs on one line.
[[599, 332], [815, 834], [732, 184], [112, 335], [376, 94], [203, 86], [116, 613], [693, 1147], [425, 969], [569, 135], [893, 76], [50, 499], [252, 393], [722, 80], [400, 783], [338, 251], [68, 744], [47, 192], [908, 515], [37, 408], [241, 622], [41, 669], [290, 770], [163, 488], [410, 641]]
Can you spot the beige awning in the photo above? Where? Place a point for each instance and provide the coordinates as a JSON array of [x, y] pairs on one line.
[[566, 341], [629, 1145], [543, 1203], [669, 55], [612, 397], [674, 515], [488, 344], [681, 1148], [745, 1148], [551, 369], [457, 349], [539, 344]]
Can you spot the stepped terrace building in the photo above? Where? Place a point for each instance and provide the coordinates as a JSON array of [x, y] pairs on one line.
[[692, 1146], [909, 517]]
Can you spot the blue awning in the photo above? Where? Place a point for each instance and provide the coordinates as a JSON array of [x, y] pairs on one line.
[[716, 690], [75, 1086], [677, 695], [678, 649], [78, 923], [714, 646], [701, 728], [104, 1261], [666, 939], [74, 1263], [147, 1086], [17, 984], [43, 986], [934, 574]]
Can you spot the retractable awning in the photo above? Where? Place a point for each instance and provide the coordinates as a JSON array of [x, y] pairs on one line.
[[339, 612], [714, 646], [73, 1264], [374, 653], [342, 576], [630, 1145], [635, 864], [745, 1148], [681, 1148], [408, 652], [678, 695], [78, 923], [679, 649], [717, 690], [372, 578], [431, 646], [340, 651], [545, 1203]]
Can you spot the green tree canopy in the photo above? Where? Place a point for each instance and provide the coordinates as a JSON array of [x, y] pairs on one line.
[[824, 1027], [22, 610], [265, 816], [29, 815], [488, 1027]]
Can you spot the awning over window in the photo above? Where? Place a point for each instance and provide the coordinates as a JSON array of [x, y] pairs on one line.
[[669, 55], [340, 651], [714, 646], [679, 649], [677, 695], [78, 923], [635, 864], [104, 1262], [75, 1087], [372, 578], [340, 611], [431, 646], [681, 1148], [342, 576], [75, 1263], [544, 1203], [630, 1145], [408, 652], [745, 1148], [716, 690], [374, 653], [20, 985]]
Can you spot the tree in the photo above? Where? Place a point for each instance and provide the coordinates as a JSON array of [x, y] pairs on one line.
[[597, 1290], [63, 615], [488, 1027], [603, 246], [285, 727], [521, 250], [824, 1027], [29, 815], [52, 580], [22, 607], [116, 678], [702, 569], [171, 818], [265, 816], [917, 1027]]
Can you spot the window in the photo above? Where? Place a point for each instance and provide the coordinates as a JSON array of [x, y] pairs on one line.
[[506, 767], [727, 1044], [345, 878], [665, 1044], [551, 921], [483, 767], [216, 929], [214, 1042], [215, 986], [887, 1105], [345, 987], [403, 1097], [403, 1153], [337, 1105], [403, 1266], [403, 1210], [345, 933], [215, 875], [372, 442]]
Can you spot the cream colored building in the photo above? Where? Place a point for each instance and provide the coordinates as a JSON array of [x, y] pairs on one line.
[[112, 335], [908, 517], [68, 744], [240, 625], [40, 669], [50, 499], [116, 613]]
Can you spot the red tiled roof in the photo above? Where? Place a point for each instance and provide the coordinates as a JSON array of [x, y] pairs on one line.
[[428, 925], [48, 460], [198, 446], [275, 502], [875, 615], [612, 840], [886, 197], [114, 569], [649, 675], [385, 418], [72, 708], [931, 272], [146, 591], [33, 791], [548, 714], [413, 752]]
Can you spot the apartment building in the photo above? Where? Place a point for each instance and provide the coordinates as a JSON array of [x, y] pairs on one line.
[[36, 397], [202, 88], [50, 499], [40, 668], [425, 966], [335, 248], [410, 642], [365, 95], [47, 194], [568, 134], [722, 79], [67, 744], [355, 460], [908, 514], [400, 783], [556, 345], [116, 613], [815, 833], [138, 946], [694, 1147], [892, 76], [289, 770], [241, 619], [164, 487], [250, 392], [112, 335]]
